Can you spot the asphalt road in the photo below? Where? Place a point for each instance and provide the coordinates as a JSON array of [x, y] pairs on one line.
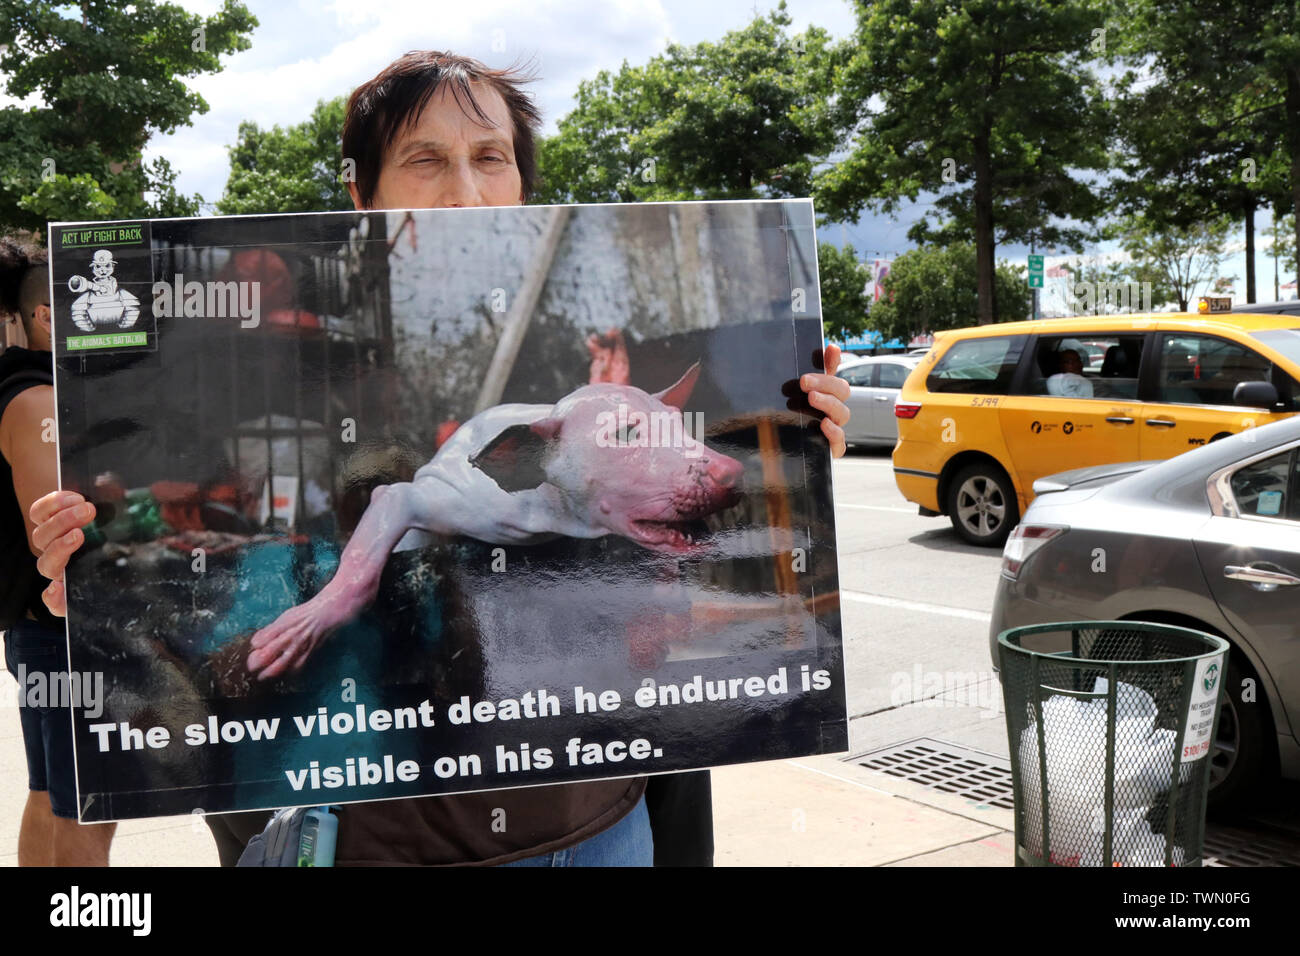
[[915, 606]]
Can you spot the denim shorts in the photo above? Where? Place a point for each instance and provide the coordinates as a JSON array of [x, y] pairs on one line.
[[626, 843], [47, 731]]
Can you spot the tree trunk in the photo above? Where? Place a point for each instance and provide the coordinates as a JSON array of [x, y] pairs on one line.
[[984, 266], [1250, 248], [1293, 140]]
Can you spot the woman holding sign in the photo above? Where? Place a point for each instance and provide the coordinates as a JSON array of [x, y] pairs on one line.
[[435, 130]]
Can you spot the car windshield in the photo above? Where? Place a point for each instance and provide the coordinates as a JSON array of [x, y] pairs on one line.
[[1286, 341]]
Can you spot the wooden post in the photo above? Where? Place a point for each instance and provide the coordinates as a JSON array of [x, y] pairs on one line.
[[521, 313], [778, 517]]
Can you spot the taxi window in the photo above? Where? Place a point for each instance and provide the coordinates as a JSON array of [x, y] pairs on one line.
[[1086, 365], [1265, 488], [1286, 341], [1288, 391], [1205, 369], [981, 366], [892, 375]]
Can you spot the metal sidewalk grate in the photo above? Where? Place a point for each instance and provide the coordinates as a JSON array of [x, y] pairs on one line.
[[1230, 846], [939, 765]]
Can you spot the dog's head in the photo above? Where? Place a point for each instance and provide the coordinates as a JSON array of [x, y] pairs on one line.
[[623, 458]]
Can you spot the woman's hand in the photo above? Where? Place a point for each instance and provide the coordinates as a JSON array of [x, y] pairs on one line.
[[59, 517], [827, 393]]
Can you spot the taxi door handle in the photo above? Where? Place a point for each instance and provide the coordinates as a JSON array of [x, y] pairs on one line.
[[1119, 420], [1161, 422], [1261, 578]]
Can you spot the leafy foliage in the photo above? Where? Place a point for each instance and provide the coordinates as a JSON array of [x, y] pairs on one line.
[[1205, 131], [746, 117], [1175, 259], [293, 169], [844, 295], [933, 288], [990, 104], [108, 80]]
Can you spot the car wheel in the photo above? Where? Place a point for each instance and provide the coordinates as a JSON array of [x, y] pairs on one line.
[[982, 504], [1241, 755]]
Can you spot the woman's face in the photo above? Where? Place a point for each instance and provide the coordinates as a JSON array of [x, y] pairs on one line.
[[446, 159]]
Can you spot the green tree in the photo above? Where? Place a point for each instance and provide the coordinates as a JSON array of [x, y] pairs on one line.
[[1176, 259], [844, 281], [108, 80], [991, 104], [1280, 239], [1205, 125], [294, 169], [746, 117], [1101, 285], [933, 288]]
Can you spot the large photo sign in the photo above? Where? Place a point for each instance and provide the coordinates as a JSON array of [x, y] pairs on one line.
[[420, 502]]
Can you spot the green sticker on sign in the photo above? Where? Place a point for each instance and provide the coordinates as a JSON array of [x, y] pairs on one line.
[[112, 341]]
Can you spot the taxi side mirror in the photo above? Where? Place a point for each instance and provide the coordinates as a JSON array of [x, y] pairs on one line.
[[1255, 394]]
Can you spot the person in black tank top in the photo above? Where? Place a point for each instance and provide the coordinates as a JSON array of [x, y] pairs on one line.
[[35, 640]]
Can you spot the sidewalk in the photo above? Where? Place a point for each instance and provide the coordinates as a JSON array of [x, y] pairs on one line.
[[813, 811], [822, 811]]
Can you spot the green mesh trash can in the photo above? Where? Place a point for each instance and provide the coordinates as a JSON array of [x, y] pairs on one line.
[[1110, 725]]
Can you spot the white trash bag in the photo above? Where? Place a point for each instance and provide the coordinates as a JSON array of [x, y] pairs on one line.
[[1074, 736]]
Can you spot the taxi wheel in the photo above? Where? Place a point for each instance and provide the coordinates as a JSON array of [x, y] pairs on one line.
[[982, 505]]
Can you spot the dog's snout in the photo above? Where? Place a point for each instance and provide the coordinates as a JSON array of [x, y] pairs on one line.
[[726, 472]]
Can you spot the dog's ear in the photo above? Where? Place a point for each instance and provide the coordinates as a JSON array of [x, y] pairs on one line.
[[513, 459], [679, 393]]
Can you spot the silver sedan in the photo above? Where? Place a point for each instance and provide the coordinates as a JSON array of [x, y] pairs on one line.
[[1209, 539], [873, 386]]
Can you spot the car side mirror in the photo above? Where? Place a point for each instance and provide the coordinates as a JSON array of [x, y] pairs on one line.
[[1255, 394]]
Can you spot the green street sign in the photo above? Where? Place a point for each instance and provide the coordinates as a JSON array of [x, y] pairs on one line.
[[1035, 272]]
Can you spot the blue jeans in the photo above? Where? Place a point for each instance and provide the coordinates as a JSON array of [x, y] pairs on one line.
[[35, 649], [626, 843]]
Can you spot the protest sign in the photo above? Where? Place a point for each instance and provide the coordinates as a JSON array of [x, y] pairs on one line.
[[416, 502]]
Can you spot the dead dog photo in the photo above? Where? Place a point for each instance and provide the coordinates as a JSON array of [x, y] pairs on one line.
[[413, 502]]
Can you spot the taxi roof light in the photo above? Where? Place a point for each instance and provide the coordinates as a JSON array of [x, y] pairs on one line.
[[1214, 303]]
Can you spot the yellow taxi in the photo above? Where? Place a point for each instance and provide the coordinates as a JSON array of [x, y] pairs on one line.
[[990, 410]]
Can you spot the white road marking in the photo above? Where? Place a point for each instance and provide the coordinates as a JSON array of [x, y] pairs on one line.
[[901, 511], [879, 599]]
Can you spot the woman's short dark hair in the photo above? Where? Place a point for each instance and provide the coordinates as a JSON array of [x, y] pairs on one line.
[[22, 279], [379, 109]]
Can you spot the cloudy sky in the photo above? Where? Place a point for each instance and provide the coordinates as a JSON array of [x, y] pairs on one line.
[[307, 50]]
